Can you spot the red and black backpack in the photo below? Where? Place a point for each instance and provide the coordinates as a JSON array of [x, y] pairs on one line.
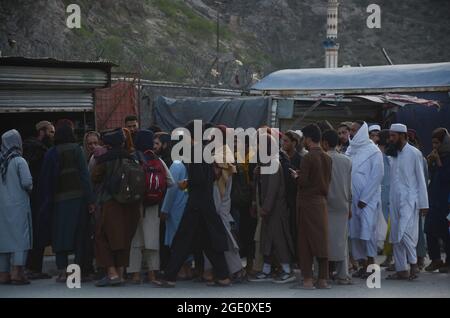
[[155, 178]]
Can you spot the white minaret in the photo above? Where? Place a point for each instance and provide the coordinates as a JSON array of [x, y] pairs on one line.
[[330, 44]]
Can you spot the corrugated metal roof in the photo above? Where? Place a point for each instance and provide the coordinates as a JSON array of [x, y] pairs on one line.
[[33, 100], [45, 77], [359, 79], [51, 62]]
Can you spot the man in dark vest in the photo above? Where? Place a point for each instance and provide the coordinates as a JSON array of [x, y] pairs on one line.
[[34, 150]]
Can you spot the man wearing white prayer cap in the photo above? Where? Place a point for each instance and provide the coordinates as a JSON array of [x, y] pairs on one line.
[[374, 133], [408, 198], [374, 128], [399, 128]]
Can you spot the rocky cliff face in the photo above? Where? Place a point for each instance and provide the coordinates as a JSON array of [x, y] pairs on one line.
[[175, 40]]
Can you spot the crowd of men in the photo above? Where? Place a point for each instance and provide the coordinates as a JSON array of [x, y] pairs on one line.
[[130, 214]]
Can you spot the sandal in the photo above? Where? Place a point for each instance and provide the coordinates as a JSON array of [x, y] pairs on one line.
[[164, 284], [20, 282], [323, 286], [365, 275], [109, 282], [198, 279], [261, 277], [62, 278], [218, 283], [391, 268], [344, 282], [285, 278], [134, 282], [301, 286], [36, 276], [359, 273], [413, 276], [240, 277], [396, 276]]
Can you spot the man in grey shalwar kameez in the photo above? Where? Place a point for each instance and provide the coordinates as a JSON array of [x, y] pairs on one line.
[[15, 213], [339, 206]]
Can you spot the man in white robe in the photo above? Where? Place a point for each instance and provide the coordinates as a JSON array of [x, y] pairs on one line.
[[374, 135], [367, 174], [408, 198]]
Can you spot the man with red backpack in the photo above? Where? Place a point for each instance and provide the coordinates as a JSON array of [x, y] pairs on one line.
[[145, 245]]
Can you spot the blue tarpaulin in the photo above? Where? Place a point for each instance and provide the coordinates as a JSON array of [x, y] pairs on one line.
[[426, 119], [242, 112]]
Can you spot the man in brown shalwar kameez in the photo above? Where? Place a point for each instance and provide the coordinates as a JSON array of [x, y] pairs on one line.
[[313, 184], [116, 222]]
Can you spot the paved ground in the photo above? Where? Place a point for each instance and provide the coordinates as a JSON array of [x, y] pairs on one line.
[[429, 285]]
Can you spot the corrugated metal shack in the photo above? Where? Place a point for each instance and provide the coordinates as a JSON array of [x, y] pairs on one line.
[[34, 89], [302, 96]]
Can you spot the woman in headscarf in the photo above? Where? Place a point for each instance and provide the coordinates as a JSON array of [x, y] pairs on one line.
[[436, 223], [90, 142], [15, 212], [66, 197], [146, 241], [116, 222]]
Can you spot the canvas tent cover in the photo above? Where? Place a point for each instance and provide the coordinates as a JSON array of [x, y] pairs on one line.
[[243, 112], [354, 78]]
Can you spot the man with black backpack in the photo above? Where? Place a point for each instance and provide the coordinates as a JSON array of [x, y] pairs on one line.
[[122, 180]]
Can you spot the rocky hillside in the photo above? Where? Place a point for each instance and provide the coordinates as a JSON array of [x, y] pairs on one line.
[[175, 40]]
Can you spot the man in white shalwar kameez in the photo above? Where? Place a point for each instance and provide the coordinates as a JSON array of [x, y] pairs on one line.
[[408, 198], [367, 174]]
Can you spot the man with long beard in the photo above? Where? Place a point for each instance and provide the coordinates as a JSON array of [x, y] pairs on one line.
[[408, 198], [34, 150]]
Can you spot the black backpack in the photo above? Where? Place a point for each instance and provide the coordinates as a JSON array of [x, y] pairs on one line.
[[126, 182]]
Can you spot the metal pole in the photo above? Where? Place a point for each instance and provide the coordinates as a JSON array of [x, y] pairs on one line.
[[218, 40], [218, 29], [387, 56], [139, 87], [85, 128]]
